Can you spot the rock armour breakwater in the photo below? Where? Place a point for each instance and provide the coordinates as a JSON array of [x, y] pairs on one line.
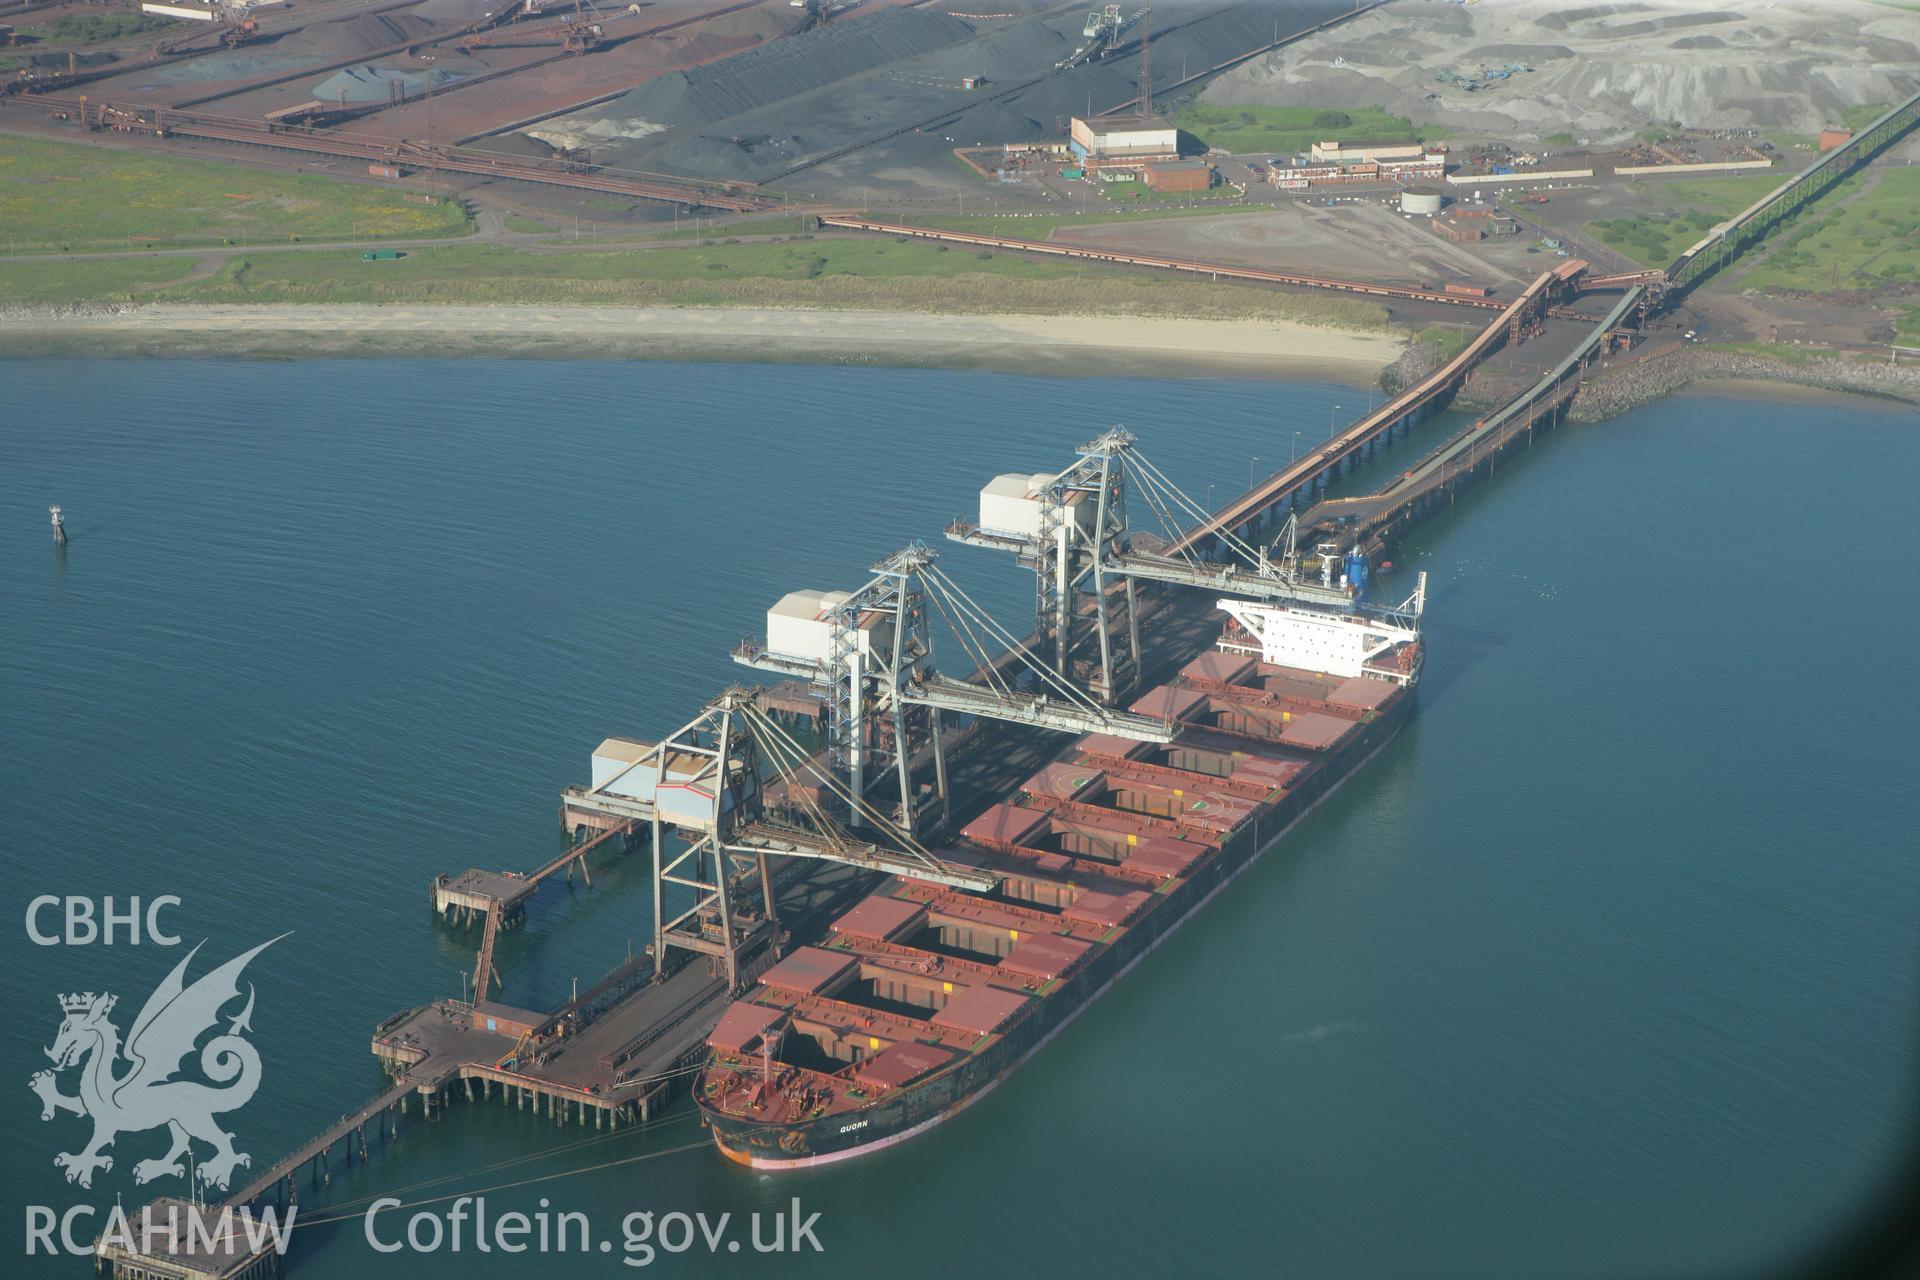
[[1616, 390]]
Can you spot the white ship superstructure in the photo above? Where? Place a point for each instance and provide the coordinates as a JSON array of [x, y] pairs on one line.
[[1383, 643]]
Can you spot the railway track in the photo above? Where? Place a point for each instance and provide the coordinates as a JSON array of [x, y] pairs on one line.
[[1212, 270], [161, 122], [191, 47]]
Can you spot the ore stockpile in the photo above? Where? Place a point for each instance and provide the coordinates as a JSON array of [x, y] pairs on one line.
[[758, 114]]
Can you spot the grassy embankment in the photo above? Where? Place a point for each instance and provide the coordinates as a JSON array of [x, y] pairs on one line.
[[1289, 130], [115, 195], [877, 274], [55, 196]]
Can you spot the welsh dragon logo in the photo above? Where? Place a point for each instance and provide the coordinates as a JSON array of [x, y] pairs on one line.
[[145, 1095]]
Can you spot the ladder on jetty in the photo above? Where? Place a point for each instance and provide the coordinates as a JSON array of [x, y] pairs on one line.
[[499, 896], [483, 969]]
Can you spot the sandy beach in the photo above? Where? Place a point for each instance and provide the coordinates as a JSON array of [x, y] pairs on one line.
[[1103, 345]]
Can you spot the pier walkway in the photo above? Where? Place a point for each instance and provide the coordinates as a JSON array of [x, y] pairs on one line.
[[349, 1126]]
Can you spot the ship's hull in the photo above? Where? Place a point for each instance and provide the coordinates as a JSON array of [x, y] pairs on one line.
[[917, 1108]]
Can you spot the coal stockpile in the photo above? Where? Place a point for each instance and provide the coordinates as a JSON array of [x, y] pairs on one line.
[[380, 84], [790, 67], [762, 143], [355, 35], [455, 13]]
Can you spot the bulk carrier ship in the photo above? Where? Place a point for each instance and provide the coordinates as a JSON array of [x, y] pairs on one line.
[[923, 997]]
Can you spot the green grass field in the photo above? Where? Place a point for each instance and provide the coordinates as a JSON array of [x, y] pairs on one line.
[[1651, 240], [1449, 338], [54, 195], [1288, 130], [878, 274], [49, 281], [779, 224], [1850, 240], [1784, 352], [1863, 115], [1724, 196], [1124, 193], [526, 226], [93, 28], [1907, 328], [1655, 240]]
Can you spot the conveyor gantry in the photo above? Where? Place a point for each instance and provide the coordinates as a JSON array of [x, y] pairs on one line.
[[1015, 705], [1177, 571], [1229, 578], [788, 842], [1035, 709]]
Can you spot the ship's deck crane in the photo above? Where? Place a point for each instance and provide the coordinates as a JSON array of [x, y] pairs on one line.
[[1073, 530], [871, 651]]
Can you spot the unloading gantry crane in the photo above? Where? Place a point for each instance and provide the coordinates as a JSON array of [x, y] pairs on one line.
[[1073, 530], [733, 792], [870, 653]]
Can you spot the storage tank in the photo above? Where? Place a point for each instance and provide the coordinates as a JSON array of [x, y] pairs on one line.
[[1421, 200]]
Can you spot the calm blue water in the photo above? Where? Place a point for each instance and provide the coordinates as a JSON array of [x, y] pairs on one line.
[[1606, 968]]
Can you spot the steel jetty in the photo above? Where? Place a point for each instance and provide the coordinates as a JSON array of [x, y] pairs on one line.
[[923, 996]]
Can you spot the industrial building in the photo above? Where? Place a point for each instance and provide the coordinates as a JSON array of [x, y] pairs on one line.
[[1465, 223], [1367, 152], [1358, 163], [1177, 175], [1123, 142]]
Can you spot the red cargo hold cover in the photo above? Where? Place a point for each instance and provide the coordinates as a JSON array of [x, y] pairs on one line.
[[1064, 780], [1107, 909], [901, 1064], [742, 1025], [1167, 701], [1311, 729], [1008, 823], [809, 970], [1044, 956], [1110, 745], [978, 1010], [1164, 856], [1264, 772], [1362, 692], [881, 919], [1227, 668]]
